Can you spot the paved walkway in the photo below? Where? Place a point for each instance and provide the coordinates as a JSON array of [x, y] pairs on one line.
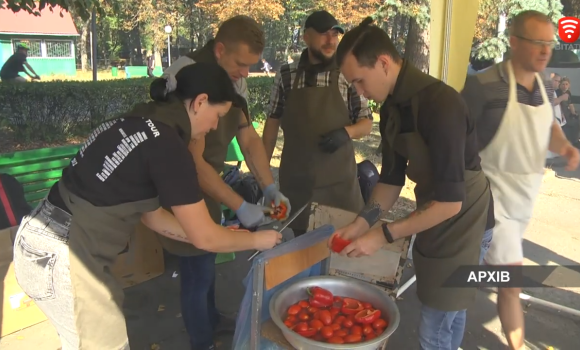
[[154, 319]]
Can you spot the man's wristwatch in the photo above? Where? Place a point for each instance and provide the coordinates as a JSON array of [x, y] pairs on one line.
[[387, 233]]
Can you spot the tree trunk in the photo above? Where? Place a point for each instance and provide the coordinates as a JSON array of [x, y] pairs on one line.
[[417, 45], [82, 45]]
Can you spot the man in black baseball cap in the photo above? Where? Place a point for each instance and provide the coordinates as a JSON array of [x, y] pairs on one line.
[[322, 22], [320, 114]]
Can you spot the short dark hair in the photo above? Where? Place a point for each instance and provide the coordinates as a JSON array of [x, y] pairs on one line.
[[517, 25], [366, 42], [242, 29], [194, 80]]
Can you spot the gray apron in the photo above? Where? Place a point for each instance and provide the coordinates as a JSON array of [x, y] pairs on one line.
[[216, 149], [307, 174], [440, 250]]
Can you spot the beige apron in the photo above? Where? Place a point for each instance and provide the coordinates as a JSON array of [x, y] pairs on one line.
[[307, 174], [216, 149], [440, 250]]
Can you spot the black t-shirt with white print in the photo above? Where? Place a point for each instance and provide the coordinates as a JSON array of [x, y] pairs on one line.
[[132, 159]]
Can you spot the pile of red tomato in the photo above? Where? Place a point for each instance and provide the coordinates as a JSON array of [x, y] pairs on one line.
[[333, 319]]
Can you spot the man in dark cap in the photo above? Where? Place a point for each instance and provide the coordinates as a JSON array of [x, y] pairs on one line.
[[320, 114]]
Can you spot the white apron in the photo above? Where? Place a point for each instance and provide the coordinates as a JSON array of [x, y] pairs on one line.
[[514, 164]]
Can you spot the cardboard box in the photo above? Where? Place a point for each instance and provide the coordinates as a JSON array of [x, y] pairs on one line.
[[140, 262], [18, 310]]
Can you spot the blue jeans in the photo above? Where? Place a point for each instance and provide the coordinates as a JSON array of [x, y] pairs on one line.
[[443, 330], [198, 299]]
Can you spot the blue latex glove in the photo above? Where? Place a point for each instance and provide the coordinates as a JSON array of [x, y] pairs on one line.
[[273, 195], [251, 215]]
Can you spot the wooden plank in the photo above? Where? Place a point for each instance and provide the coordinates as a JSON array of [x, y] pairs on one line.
[[41, 176], [281, 268], [31, 168], [38, 186], [37, 155], [35, 195]]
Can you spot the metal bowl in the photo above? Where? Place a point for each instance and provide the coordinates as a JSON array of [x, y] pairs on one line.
[[341, 286]]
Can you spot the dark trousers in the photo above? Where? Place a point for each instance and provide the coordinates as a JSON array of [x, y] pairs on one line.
[[198, 309], [572, 129], [150, 73]]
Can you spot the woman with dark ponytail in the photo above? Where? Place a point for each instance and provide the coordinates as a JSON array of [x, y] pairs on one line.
[[130, 168]]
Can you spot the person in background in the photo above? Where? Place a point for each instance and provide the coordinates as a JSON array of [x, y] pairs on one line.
[[150, 63], [429, 137], [512, 106], [267, 67], [130, 168], [237, 46], [320, 114], [16, 64], [556, 80], [572, 127]]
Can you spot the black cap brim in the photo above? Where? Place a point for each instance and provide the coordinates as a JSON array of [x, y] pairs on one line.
[[324, 29]]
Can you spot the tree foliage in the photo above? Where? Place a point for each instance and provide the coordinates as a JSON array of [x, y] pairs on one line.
[[82, 8]]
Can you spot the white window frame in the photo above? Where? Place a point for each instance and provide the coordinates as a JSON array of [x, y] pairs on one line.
[[43, 51]]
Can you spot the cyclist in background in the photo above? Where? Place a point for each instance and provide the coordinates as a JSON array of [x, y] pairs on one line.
[[15, 64]]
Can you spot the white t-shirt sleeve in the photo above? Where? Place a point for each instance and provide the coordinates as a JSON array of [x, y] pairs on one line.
[[178, 64]]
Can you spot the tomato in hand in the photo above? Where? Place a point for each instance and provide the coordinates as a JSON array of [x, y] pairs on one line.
[[339, 243], [326, 332], [353, 338], [316, 324], [294, 309], [279, 211], [379, 323]]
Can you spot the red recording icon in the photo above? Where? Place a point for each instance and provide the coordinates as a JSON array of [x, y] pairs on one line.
[[569, 29]]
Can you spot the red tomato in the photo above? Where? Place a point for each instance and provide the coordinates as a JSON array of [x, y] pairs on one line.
[[341, 333], [380, 323], [337, 299], [339, 319], [334, 312], [367, 329], [288, 324], [312, 310], [370, 336], [367, 305], [301, 327], [303, 304], [335, 340], [379, 331], [292, 318], [326, 332], [356, 329], [347, 323], [353, 338], [316, 324], [335, 326], [303, 316], [338, 244], [325, 317], [294, 309]]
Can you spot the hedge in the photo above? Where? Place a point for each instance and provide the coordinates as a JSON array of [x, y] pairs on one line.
[[57, 110]]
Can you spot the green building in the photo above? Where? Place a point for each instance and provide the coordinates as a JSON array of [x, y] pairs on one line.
[[50, 37]]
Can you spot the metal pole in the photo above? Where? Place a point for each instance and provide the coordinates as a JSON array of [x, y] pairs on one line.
[[94, 43], [168, 50]]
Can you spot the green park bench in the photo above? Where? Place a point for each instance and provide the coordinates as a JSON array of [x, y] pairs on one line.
[[37, 170], [141, 71]]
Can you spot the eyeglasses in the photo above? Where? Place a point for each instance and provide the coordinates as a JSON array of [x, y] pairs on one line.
[[540, 43]]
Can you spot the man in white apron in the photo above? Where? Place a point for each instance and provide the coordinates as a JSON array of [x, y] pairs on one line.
[[512, 106]]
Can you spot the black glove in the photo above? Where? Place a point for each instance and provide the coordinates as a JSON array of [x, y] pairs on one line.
[[333, 140]]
